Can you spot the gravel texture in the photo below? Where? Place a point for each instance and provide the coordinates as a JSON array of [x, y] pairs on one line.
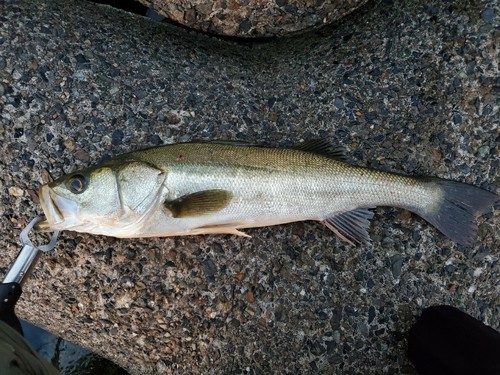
[[406, 86], [253, 18]]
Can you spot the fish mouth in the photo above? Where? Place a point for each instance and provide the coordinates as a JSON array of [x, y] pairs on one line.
[[57, 210]]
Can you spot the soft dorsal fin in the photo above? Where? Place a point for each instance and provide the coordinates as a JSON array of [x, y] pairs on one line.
[[351, 226], [323, 147], [230, 142], [313, 146], [201, 203]]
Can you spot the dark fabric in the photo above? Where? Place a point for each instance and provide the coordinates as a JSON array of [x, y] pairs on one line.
[[446, 341], [16, 356], [9, 295]]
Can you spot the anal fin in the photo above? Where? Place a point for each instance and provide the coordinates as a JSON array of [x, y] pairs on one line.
[[351, 226], [226, 228]]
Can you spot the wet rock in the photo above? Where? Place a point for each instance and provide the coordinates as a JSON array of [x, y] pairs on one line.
[[381, 83], [253, 18]]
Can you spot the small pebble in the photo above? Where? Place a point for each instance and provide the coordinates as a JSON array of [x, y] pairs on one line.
[[396, 265], [483, 151], [15, 191], [209, 267], [69, 144], [250, 297], [16, 76], [457, 119], [18, 132], [117, 137], [240, 276], [245, 26], [363, 329], [81, 155], [172, 118], [43, 73], [371, 314], [155, 140], [488, 14], [336, 336], [140, 94], [339, 102], [82, 63]]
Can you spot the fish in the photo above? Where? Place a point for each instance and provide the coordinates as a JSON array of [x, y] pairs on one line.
[[224, 187]]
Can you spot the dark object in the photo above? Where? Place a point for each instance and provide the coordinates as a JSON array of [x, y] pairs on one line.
[[9, 295], [447, 341]]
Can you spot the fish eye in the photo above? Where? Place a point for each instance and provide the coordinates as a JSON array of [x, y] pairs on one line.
[[77, 184]]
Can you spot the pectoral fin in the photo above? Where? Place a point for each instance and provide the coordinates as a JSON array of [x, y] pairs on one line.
[[351, 226], [197, 204]]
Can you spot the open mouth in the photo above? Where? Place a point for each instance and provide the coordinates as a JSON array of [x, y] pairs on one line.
[[53, 207]]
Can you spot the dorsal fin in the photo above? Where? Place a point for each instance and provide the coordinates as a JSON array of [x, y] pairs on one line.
[[230, 142], [314, 146], [323, 147]]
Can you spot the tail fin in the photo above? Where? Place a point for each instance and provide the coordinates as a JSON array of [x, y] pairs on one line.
[[461, 203]]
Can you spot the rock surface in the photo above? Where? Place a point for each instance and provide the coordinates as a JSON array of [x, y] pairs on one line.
[[253, 18], [407, 87]]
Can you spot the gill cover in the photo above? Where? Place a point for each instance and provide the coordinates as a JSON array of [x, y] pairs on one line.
[[139, 186]]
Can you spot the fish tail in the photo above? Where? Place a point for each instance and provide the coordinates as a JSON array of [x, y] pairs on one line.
[[454, 214]]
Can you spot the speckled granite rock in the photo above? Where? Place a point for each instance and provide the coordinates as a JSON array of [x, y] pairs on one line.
[[253, 18], [407, 87]]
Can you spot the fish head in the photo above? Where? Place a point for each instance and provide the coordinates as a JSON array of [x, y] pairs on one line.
[[110, 199]]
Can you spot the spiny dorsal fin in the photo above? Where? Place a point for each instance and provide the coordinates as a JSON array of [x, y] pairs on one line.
[[199, 204], [351, 226], [323, 147]]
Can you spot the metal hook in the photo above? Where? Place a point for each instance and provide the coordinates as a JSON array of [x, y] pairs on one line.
[[26, 241], [28, 255]]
